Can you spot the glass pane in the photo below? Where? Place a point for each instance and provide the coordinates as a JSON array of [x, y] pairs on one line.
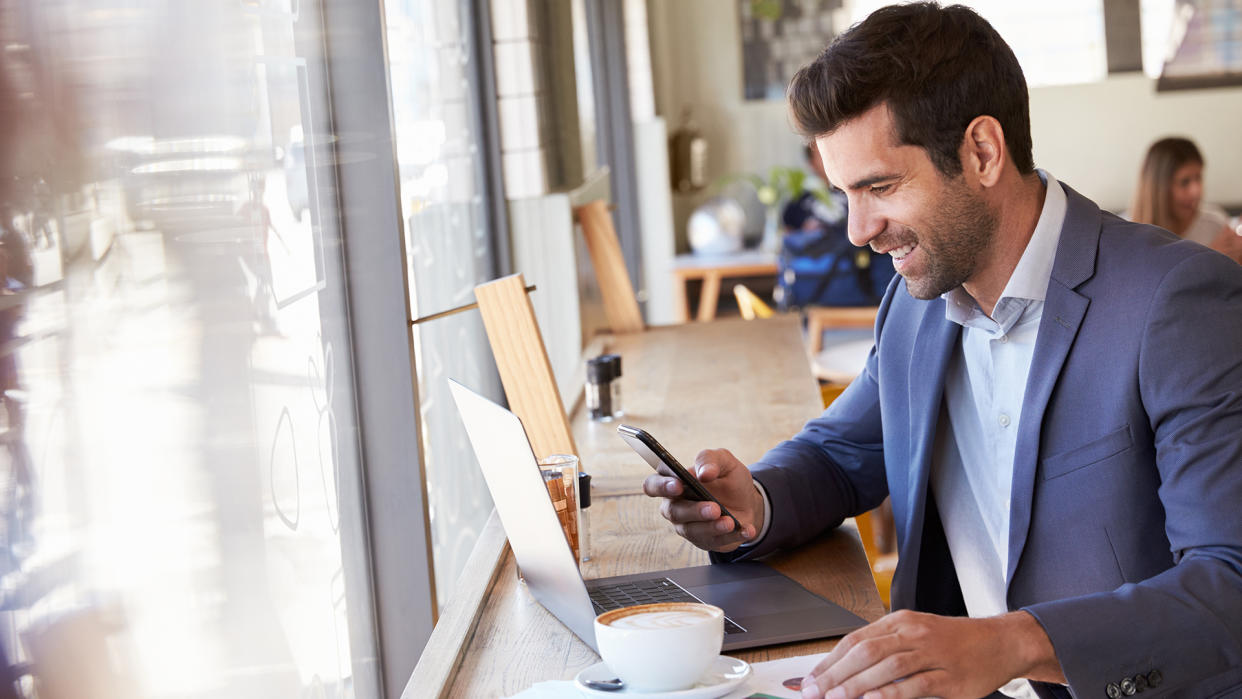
[[444, 207], [177, 404], [1157, 25]]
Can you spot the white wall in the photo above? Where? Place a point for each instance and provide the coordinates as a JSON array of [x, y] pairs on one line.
[[1091, 136]]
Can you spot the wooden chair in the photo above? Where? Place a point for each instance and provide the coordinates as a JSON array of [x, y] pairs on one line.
[[620, 303], [821, 318], [836, 366]]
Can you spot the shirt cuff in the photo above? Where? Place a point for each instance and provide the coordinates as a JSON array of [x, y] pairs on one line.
[[767, 518]]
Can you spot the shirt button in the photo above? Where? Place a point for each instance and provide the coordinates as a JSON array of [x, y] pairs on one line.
[[1004, 420], [1004, 339]]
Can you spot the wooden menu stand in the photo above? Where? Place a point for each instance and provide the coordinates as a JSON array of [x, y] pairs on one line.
[[522, 359]]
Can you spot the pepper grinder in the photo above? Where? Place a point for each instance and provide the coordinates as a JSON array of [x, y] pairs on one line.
[[614, 361]]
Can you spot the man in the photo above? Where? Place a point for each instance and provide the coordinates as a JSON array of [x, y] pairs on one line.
[[1054, 402]]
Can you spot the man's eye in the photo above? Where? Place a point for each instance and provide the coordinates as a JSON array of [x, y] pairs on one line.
[[880, 188]]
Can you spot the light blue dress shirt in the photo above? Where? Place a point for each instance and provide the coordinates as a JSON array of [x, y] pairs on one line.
[[972, 473]]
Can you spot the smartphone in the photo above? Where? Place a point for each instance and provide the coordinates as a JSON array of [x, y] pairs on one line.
[[663, 462]]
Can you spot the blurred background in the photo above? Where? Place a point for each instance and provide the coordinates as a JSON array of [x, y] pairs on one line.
[[230, 466]]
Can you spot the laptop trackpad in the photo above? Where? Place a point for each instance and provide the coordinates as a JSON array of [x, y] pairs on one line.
[[756, 597]]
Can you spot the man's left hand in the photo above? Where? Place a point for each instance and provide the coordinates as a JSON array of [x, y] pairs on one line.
[[910, 654]]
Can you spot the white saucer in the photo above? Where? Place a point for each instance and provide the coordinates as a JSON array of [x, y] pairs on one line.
[[724, 675]]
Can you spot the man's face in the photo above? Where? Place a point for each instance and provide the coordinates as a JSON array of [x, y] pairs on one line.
[[935, 228]]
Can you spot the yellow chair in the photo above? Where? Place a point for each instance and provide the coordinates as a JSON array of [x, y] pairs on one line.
[[750, 304]]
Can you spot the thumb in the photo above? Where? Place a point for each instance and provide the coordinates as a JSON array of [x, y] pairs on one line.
[[708, 471]]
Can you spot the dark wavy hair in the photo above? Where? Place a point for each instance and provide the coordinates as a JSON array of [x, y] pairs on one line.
[[936, 67]]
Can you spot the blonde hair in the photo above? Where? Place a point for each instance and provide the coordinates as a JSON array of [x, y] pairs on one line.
[[1152, 201]]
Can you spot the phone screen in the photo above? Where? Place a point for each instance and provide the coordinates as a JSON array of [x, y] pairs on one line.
[[663, 462]]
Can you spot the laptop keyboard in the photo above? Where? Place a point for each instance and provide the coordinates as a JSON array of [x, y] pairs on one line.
[[629, 594]]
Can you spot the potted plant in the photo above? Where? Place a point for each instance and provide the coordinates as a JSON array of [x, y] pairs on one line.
[[782, 185]]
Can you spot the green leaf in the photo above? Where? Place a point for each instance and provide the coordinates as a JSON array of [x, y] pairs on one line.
[[767, 9]]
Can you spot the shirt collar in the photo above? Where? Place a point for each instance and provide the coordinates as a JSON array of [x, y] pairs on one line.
[[1029, 281]]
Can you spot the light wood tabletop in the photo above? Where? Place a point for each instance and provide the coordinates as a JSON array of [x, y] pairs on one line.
[[740, 385]]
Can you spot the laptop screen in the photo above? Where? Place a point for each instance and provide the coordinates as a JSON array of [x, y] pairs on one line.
[[521, 499]]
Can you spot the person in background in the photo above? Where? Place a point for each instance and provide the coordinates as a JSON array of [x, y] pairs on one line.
[[809, 212], [819, 265], [1170, 195]]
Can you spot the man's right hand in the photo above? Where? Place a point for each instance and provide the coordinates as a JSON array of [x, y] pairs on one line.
[[701, 522]]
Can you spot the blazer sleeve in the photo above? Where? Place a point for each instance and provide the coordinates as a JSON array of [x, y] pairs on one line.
[[832, 469], [1186, 622]]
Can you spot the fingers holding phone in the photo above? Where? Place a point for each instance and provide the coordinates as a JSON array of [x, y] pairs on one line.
[[730, 481], [714, 506]]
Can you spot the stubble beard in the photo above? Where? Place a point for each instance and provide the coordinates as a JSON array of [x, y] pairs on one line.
[[957, 236]]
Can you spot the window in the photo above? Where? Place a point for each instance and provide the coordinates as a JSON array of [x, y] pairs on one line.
[[186, 510], [444, 205], [1057, 42]]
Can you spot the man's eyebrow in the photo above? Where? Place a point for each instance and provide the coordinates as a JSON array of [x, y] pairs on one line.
[[874, 179]]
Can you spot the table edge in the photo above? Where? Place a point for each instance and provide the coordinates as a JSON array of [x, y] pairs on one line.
[[441, 658]]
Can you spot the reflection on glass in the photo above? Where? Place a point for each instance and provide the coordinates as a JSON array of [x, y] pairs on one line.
[[175, 397], [450, 251]]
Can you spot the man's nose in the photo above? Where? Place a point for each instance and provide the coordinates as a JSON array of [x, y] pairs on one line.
[[864, 224]]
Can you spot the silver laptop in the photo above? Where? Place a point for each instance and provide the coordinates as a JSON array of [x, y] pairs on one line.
[[762, 605]]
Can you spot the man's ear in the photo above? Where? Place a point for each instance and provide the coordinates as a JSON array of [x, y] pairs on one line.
[[983, 150]]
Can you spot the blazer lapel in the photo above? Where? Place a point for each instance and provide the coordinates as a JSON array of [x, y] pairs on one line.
[[933, 346], [1064, 309]]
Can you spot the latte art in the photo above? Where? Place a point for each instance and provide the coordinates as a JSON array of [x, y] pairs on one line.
[[660, 620]]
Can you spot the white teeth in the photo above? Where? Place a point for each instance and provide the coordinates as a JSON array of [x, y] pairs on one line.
[[899, 253]]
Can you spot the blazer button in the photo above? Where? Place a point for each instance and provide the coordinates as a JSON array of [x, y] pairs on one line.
[[1154, 678], [1140, 682], [1114, 692], [1127, 687]]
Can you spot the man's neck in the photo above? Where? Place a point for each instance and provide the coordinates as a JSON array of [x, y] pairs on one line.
[[1017, 204]]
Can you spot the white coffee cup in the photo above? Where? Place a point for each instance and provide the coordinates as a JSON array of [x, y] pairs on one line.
[[660, 647]]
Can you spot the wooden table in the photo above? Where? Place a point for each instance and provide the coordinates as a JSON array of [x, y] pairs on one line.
[[741, 385], [712, 269]]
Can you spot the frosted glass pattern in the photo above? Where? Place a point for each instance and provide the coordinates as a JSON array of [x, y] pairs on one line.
[[443, 203]]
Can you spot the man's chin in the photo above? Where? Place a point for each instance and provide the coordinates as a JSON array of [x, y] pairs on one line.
[[925, 290]]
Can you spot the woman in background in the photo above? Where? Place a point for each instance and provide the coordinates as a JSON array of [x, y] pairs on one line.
[[1170, 195]]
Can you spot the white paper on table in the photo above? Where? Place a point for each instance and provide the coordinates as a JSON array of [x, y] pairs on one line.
[[766, 680]]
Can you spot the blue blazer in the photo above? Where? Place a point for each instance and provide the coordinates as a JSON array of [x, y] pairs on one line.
[[1125, 537]]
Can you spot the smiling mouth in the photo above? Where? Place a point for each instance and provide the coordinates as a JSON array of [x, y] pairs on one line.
[[901, 252]]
